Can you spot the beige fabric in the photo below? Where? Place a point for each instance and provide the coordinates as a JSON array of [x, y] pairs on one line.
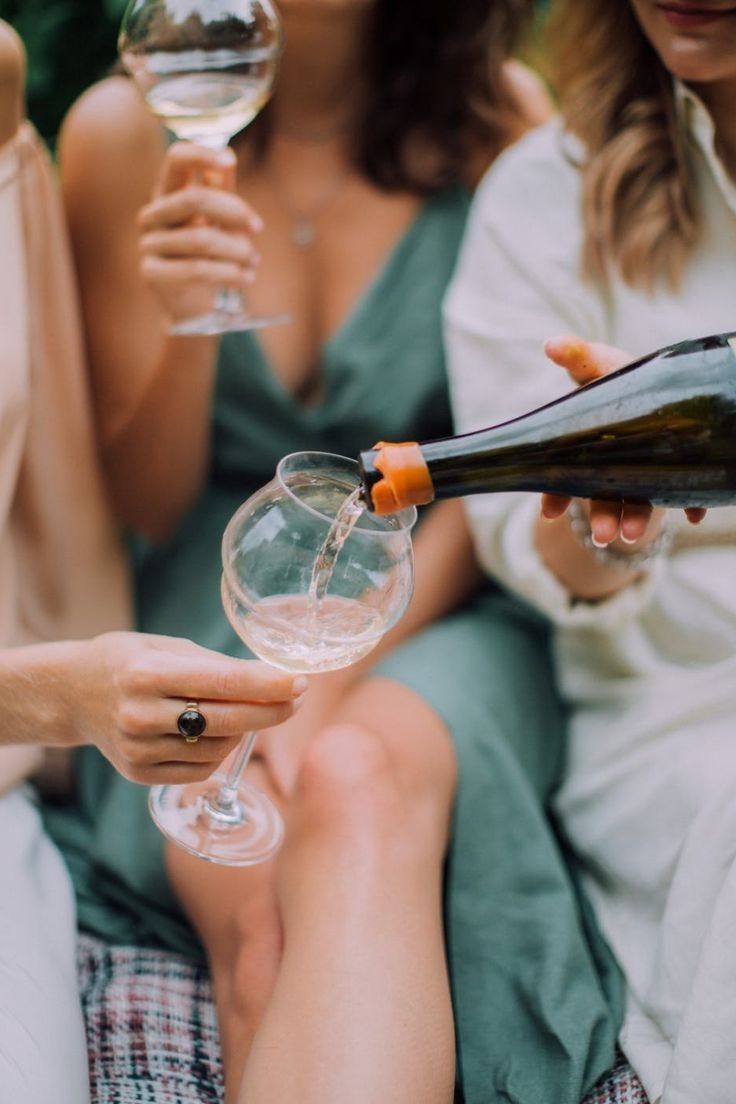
[[61, 566]]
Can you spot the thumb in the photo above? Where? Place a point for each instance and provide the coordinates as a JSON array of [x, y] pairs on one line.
[[584, 360]]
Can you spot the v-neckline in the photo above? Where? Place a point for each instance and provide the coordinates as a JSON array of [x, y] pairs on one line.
[[351, 320]]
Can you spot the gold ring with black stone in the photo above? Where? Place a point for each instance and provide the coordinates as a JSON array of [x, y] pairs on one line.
[[191, 722]]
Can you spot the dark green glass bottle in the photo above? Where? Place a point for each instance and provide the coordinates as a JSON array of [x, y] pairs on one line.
[[660, 430]]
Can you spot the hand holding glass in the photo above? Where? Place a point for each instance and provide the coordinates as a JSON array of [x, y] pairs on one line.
[[205, 70], [306, 595]]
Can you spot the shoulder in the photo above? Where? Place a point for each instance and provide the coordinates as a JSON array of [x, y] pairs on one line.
[[110, 142], [12, 79], [12, 55], [528, 106], [528, 93], [534, 182], [111, 120], [524, 236]]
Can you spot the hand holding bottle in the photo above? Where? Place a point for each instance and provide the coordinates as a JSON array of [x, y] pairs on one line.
[[660, 430], [631, 522]]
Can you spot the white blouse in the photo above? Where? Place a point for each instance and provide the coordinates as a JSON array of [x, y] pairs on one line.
[[650, 673]]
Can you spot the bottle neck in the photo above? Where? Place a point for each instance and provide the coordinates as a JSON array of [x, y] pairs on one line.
[[395, 476]]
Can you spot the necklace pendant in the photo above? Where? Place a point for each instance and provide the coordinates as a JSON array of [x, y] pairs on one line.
[[303, 233]]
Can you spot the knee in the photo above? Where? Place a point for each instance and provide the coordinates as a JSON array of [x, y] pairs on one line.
[[347, 781]]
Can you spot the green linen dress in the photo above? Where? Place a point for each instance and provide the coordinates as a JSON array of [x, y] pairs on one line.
[[530, 988]]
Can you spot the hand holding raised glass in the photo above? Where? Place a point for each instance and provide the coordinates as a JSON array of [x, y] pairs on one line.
[[205, 69]]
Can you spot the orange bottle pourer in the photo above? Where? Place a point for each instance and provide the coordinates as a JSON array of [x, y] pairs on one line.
[[406, 480]]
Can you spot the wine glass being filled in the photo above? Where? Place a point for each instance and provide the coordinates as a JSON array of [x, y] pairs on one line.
[[205, 70], [311, 582]]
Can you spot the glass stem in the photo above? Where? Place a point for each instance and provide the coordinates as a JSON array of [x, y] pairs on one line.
[[227, 300], [226, 797]]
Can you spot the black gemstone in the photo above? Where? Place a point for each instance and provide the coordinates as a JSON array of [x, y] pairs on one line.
[[191, 723]]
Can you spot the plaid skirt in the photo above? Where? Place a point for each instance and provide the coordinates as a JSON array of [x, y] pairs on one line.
[[152, 1031]]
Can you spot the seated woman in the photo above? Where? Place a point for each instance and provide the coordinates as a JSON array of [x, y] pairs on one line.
[[621, 225], [63, 581], [383, 119]]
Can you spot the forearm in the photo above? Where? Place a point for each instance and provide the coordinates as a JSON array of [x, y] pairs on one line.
[[155, 444], [152, 393], [33, 683]]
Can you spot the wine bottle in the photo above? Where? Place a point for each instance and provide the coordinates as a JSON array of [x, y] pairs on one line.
[[660, 430]]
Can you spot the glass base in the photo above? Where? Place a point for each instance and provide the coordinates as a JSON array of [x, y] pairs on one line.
[[220, 321], [247, 832]]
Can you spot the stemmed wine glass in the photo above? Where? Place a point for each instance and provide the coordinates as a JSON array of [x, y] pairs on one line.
[[205, 69], [310, 582]]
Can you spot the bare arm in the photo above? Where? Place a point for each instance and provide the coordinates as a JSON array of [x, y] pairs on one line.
[[152, 392], [123, 693], [528, 91], [12, 79]]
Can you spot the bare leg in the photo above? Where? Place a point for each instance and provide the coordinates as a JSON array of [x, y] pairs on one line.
[[235, 913], [361, 1008], [372, 812]]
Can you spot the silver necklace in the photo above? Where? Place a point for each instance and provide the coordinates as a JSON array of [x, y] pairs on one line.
[[303, 233]]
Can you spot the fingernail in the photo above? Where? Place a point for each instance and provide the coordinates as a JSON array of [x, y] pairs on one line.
[[257, 223], [628, 540], [226, 158], [599, 543], [298, 702], [299, 685]]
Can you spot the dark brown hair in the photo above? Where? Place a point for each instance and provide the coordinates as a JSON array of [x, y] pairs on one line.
[[434, 70], [639, 209], [435, 89]]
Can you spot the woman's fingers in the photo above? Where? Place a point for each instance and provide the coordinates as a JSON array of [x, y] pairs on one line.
[[635, 519], [195, 235], [554, 506], [629, 522], [172, 278], [197, 201], [584, 360], [169, 774], [175, 749], [207, 241], [208, 676], [186, 161], [146, 718], [609, 521], [605, 521], [127, 690]]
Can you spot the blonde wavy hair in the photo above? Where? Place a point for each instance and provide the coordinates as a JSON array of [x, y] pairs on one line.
[[639, 206]]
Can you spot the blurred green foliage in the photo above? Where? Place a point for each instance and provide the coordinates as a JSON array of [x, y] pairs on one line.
[[70, 44]]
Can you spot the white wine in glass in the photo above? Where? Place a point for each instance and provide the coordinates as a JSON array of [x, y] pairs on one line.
[[205, 69], [311, 582]]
